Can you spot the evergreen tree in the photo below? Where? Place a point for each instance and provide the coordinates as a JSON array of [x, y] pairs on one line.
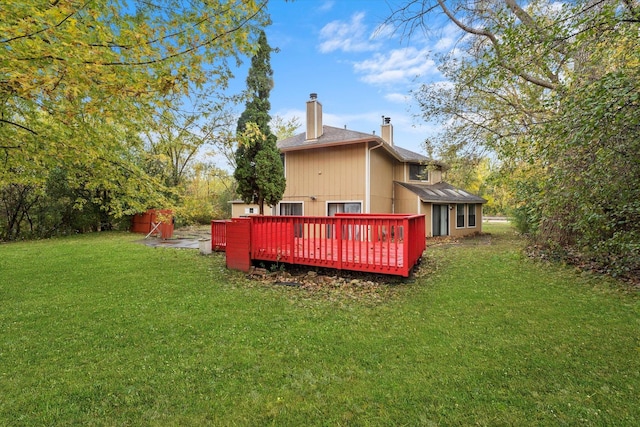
[[259, 171]]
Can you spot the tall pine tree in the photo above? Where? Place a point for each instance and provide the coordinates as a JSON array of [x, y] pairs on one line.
[[259, 171]]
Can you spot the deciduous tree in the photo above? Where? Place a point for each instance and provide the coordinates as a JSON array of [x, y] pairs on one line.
[[81, 80], [554, 90]]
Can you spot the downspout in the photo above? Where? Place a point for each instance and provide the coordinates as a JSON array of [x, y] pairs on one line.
[[393, 196], [368, 176]]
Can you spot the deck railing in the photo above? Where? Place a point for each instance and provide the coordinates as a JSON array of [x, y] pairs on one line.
[[219, 235], [388, 244]]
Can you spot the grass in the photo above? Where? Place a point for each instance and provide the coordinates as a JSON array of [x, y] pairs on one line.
[[99, 330]]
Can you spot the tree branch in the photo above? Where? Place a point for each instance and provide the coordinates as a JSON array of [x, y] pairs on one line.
[[19, 126], [496, 46], [186, 51], [46, 28]]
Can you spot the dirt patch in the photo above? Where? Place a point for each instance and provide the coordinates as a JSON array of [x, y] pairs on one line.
[[329, 283], [473, 240], [355, 284]]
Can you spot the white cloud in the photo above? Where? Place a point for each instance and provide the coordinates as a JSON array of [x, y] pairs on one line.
[[443, 44], [326, 6], [449, 35], [396, 66], [398, 98], [290, 114], [348, 36], [350, 120], [383, 31]]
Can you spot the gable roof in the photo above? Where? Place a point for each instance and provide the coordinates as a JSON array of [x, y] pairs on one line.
[[332, 136], [410, 156], [442, 192]]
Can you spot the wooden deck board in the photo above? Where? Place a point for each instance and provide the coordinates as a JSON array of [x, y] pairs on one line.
[[324, 252]]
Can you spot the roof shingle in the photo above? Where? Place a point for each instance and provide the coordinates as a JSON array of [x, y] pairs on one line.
[[337, 136], [442, 192]]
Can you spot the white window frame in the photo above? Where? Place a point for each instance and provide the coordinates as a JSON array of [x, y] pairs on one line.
[[475, 215], [464, 215], [331, 202], [293, 202], [447, 218]]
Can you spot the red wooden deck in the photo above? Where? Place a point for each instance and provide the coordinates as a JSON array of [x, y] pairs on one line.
[[387, 244]]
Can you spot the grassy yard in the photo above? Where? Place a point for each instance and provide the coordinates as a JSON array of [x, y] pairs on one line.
[[100, 330]]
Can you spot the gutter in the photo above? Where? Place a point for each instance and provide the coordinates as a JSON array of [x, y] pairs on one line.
[[368, 175]]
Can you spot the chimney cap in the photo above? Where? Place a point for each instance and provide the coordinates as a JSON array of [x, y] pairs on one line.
[[313, 95], [387, 120]]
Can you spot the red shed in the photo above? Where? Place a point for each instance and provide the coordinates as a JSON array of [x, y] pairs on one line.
[[154, 222]]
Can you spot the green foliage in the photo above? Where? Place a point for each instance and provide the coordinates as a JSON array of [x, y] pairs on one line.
[[205, 196], [553, 90], [259, 171], [80, 82], [480, 176], [592, 196], [283, 128]]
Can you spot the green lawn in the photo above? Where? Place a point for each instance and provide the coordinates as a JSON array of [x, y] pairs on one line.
[[99, 330]]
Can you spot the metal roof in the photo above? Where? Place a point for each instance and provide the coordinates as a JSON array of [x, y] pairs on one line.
[[442, 192]]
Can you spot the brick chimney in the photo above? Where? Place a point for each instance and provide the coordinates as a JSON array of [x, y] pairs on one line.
[[386, 130], [314, 117]]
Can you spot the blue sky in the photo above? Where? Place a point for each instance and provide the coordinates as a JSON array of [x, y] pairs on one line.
[[359, 69]]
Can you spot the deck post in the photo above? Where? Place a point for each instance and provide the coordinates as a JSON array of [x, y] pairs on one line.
[[292, 242], [239, 244], [338, 237], [408, 238]]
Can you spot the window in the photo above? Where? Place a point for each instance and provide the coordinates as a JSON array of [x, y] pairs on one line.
[[418, 172], [460, 215], [349, 207], [291, 208], [249, 210], [352, 207], [471, 215]]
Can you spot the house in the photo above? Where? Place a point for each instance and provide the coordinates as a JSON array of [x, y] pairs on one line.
[[331, 170], [240, 209]]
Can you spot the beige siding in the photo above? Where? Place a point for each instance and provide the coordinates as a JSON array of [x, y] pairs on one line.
[[466, 230], [435, 177], [427, 210], [381, 189], [242, 209], [325, 174], [398, 172], [406, 201]]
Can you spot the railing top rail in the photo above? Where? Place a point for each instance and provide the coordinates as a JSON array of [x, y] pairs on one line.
[[338, 215], [377, 215]]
